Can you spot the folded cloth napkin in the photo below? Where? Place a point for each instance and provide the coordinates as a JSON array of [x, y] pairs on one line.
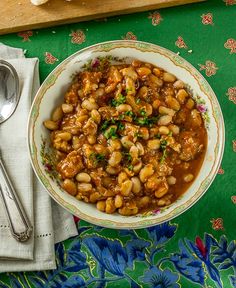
[[51, 223]]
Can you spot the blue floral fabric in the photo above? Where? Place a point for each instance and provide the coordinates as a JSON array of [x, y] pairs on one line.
[[93, 260]]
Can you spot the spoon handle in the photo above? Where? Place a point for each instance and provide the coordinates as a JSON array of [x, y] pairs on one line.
[[20, 226]]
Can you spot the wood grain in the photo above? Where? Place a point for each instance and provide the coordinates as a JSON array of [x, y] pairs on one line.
[[21, 15]]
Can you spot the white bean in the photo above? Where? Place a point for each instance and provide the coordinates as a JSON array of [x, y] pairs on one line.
[[126, 187], [188, 177], [165, 120], [164, 130], [126, 142], [166, 111], [171, 180], [84, 187], [114, 144], [122, 177], [57, 114], [140, 148], [146, 172], [134, 152], [153, 144], [174, 129], [168, 77], [89, 104], [67, 108], [136, 188], [115, 158], [51, 125], [123, 108], [178, 84], [137, 167], [83, 177], [95, 115]]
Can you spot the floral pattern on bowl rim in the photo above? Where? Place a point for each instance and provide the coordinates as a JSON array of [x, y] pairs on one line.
[[56, 84]]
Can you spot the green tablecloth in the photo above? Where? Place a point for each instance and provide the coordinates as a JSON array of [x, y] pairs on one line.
[[197, 249]]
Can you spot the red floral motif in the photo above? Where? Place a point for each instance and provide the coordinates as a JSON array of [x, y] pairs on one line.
[[25, 35], [78, 37], [201, 247], [207, 19], [232, 94], [129, 36], [221, 171], [49, 58], [217, 224], [231, 44], [233, 198], [156, 18], [234, 145], [230, 2], [209, 67], [180, 42]]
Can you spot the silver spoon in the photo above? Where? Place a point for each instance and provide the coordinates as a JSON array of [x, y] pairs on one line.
[[20, 226]]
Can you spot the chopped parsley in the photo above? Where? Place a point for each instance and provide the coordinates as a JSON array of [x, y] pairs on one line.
[[129, 113], [105, 125], [163, 149], [121, 116], [138, 100], [111, 133], [97, 157], [120, 126], [158, 136], [143, 112], [118, 101], [145, 121], [130, 167], [127, 156]]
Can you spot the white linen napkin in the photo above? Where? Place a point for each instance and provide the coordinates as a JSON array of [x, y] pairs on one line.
[[51, 222]]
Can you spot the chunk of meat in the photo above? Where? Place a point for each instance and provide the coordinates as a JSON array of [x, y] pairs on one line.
[[114, 77], [90, 81], [190, 145], [71, 97], [71, 165]]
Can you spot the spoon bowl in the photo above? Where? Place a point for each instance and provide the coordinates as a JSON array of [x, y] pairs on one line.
[[9, 90]]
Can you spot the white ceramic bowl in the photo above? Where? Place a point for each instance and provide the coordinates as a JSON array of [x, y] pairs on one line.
[[51, 94]]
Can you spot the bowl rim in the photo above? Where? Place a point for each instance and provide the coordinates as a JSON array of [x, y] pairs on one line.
[[141, 222]]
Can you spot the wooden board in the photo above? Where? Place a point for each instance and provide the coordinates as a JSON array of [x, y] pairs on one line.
[[21, 15]]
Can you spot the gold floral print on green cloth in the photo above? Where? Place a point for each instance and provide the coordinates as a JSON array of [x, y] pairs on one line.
[[196, 249]]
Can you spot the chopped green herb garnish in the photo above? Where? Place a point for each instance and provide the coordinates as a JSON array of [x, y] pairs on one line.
[[121, 116], [163, 144], [110, 133], [119, 100], [129, 113], [143, 112], [120, 126], [105, 125], [170, 133], [163, 157], [164, 152], [130, 167], [97, 157], [158, 136], [138, 100], [145, 121]]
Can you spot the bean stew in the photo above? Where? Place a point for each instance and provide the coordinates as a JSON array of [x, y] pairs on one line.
[[127, 137]]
